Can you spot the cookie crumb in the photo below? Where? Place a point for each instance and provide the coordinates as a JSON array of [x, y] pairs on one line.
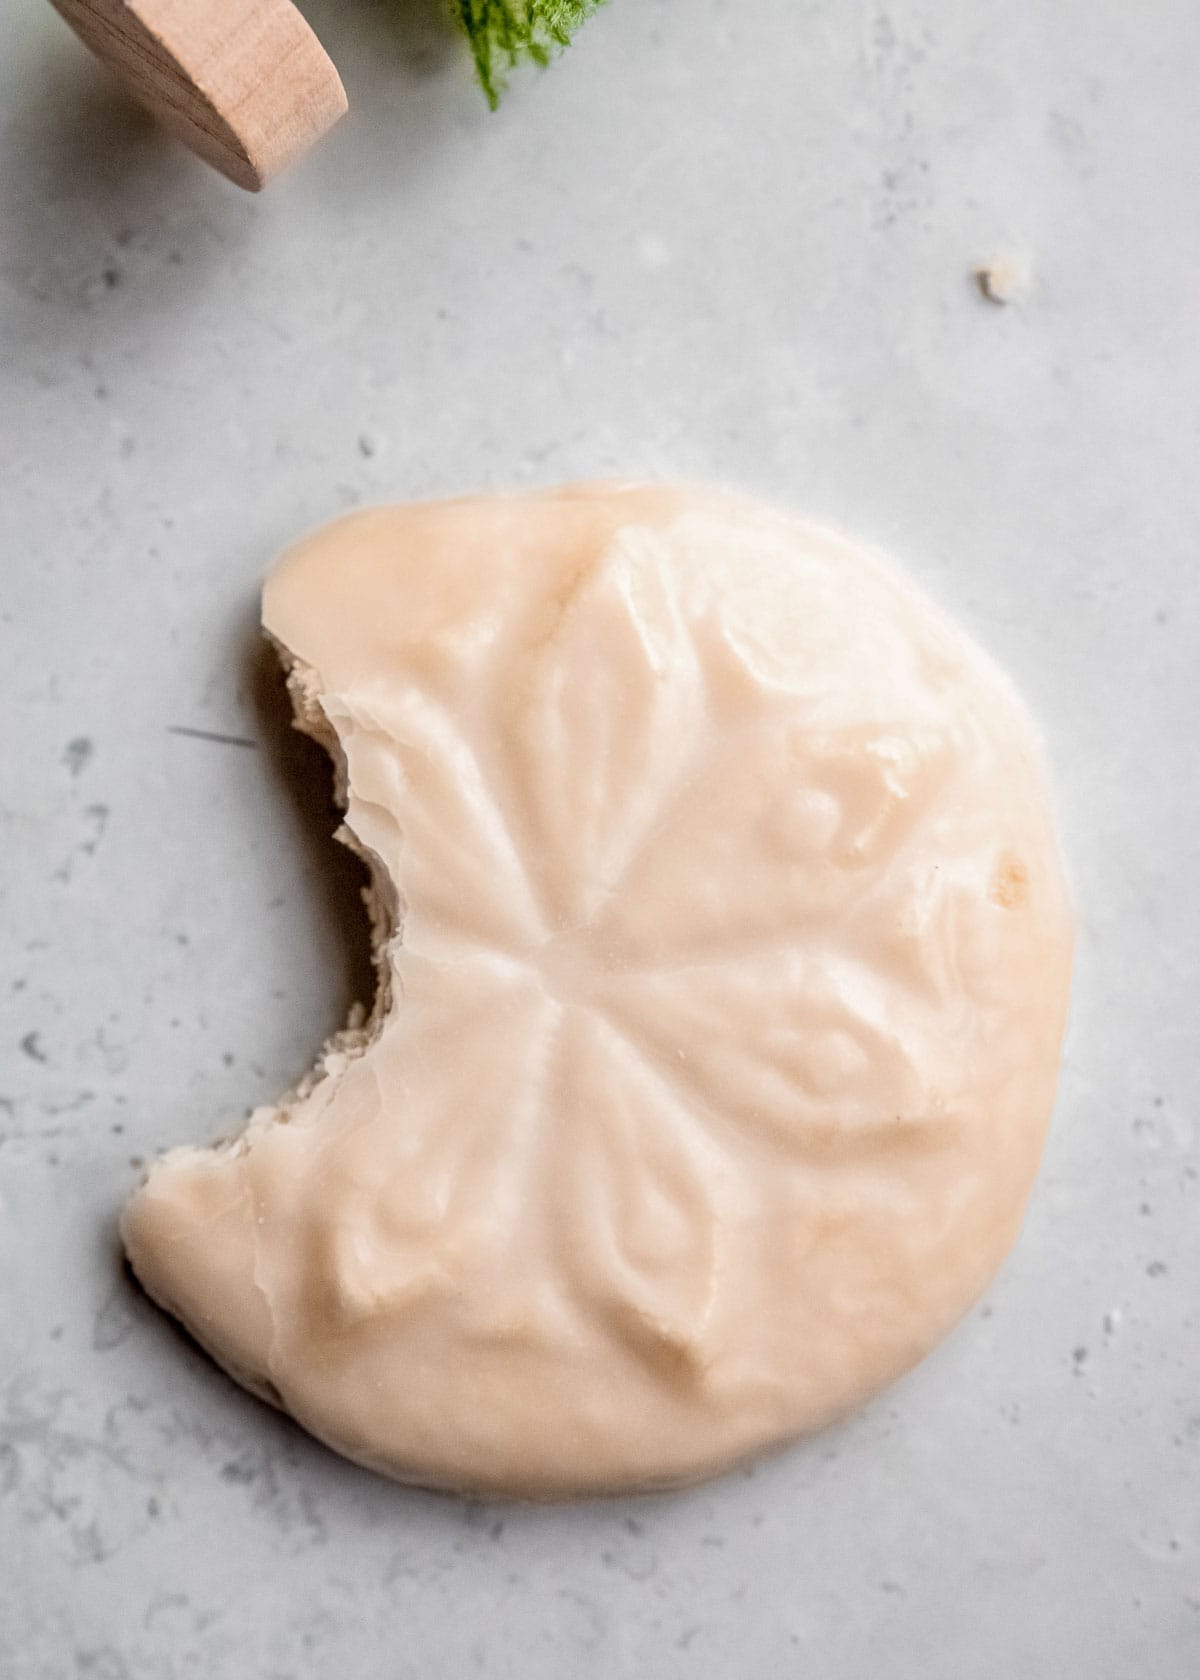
[[1003, 280]]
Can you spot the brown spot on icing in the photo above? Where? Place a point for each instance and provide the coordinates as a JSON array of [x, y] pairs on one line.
[[1010, 884]]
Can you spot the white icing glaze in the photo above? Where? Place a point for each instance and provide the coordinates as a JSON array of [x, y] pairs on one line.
[[722, 1029]]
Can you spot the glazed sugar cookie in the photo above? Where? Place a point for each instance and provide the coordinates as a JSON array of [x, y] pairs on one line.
[[724, 953]]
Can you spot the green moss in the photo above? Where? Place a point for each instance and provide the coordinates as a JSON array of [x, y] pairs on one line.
[[503, 33]]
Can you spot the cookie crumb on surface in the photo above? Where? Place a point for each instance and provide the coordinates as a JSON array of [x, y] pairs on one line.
[[1003, 280]]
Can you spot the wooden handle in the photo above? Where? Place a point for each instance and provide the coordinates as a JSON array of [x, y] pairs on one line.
[[245, 83]]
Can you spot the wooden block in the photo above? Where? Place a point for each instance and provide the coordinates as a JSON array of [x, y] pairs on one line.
[[245, 83]]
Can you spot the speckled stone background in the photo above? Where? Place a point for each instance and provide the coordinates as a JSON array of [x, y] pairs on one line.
[[721, 239]]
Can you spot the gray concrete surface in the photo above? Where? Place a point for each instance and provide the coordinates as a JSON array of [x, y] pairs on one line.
[[722, 240]]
